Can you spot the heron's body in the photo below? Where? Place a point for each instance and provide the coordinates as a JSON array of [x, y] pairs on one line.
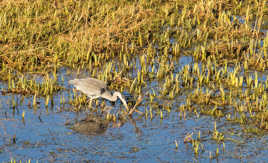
[[95, 88]]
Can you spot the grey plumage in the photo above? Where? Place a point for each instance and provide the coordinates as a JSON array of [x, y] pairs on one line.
[[95, 88]]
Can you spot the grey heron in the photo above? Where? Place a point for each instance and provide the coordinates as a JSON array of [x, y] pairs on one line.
[[95, 88]]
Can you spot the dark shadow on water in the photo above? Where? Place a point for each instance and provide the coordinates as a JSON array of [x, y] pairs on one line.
[[90, 125]]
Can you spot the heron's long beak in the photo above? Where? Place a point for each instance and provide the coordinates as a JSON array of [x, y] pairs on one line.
[[124, 102]]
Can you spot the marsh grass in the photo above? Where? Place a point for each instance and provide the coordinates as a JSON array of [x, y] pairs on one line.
[[134, 44]]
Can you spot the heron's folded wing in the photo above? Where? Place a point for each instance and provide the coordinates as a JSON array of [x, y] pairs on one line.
[[89, 86], [96, 82]]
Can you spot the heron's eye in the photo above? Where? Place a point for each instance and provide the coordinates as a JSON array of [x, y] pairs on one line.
[[102, 90]]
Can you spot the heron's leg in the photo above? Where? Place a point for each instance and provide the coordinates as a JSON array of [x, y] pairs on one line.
[[90, 102]]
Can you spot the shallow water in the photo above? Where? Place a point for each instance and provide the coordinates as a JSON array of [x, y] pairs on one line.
[[44, 136]]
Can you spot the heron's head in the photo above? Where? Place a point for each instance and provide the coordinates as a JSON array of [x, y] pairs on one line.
[[118, 94]]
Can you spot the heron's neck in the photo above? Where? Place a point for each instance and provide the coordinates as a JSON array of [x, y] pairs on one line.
[[118, 94], [115, 95]]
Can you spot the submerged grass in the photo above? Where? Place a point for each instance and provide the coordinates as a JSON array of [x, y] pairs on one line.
[[135, 44]]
